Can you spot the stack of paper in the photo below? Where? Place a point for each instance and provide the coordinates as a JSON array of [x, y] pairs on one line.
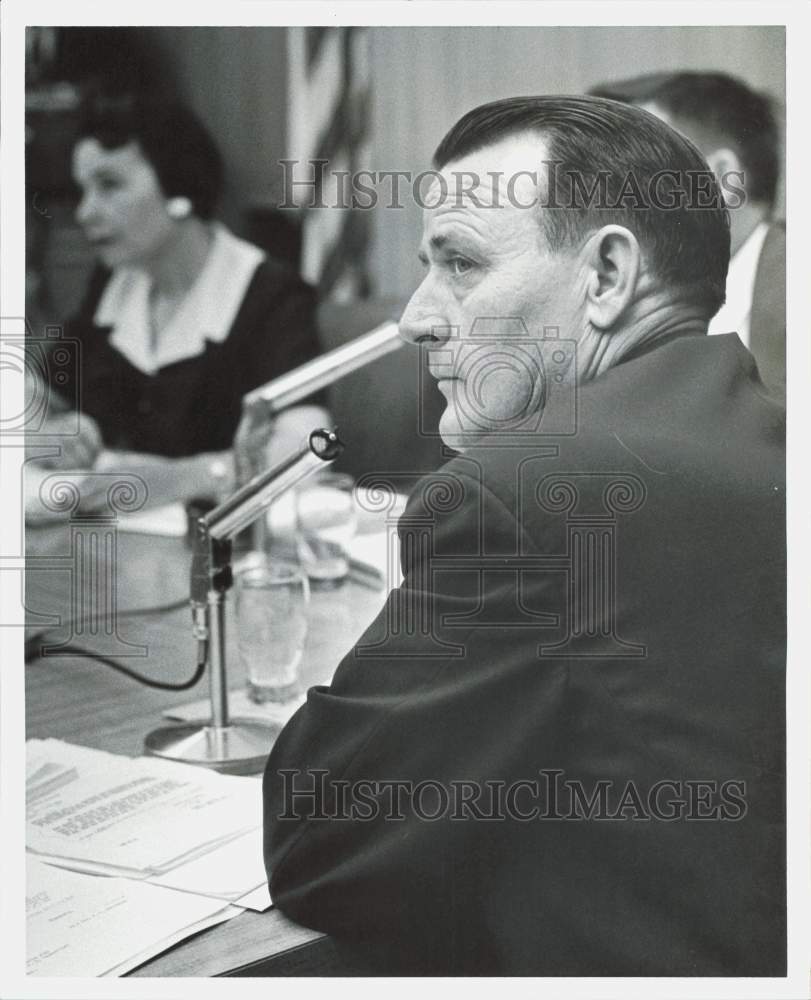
[[100, 812], [178, 845], [234, 872], [44, 777], [83, 925]]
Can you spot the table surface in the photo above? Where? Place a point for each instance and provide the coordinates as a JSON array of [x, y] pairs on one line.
[[82, 701]]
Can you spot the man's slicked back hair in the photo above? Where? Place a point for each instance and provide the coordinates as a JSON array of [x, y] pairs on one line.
[[600, 141]]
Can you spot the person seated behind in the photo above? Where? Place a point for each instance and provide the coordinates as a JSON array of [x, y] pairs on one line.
[[559, 749], [182, 317], [735, 129]]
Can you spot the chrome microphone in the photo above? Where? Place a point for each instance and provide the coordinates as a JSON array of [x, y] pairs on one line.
[[291, 388], [244, 506], [236, 746]]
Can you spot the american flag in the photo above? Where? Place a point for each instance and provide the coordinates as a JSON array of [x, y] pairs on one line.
[[329, 88]]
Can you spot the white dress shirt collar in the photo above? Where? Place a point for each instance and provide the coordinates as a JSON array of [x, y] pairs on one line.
[[205, 314], [733, 316]]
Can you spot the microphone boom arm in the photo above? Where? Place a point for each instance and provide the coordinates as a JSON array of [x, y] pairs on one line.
[[237, 746]]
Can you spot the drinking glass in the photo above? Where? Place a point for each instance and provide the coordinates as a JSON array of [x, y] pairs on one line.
[[272, 627]]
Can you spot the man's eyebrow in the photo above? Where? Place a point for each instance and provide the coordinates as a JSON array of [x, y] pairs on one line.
[[438, 241], [441, 240]]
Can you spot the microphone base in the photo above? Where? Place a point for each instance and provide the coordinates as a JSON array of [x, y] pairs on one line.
[[239, 748]]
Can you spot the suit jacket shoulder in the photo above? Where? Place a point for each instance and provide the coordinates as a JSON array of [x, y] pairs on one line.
[[606, 606]]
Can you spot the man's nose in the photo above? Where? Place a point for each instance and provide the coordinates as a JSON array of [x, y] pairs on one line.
[[424, 319], [86, 210]]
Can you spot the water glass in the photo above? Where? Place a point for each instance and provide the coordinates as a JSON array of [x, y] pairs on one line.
[[272, 627], [326, 520]]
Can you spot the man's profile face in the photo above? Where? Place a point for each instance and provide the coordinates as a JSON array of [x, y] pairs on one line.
[[487, 260]]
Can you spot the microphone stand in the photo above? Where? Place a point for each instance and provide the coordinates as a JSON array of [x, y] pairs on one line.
[[232, 746], [263, 403]]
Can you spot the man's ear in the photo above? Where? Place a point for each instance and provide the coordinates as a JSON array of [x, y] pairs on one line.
[[724, 162], [614, 260]]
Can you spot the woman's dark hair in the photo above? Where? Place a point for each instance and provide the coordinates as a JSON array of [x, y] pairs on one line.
[[182, 153], [610, 163]]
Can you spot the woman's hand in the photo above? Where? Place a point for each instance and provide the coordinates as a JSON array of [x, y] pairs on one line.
[[168, 480], [76, 437], [212, 475], [262, 440]]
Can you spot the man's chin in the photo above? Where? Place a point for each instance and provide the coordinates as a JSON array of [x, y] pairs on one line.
[[454, 436]]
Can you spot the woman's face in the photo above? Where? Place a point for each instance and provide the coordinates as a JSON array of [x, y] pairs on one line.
[[122, 208]]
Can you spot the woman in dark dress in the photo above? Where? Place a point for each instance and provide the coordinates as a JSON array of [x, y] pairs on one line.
[[182, 318]]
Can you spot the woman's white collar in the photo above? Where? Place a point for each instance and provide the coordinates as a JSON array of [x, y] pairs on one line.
[[206, 314]]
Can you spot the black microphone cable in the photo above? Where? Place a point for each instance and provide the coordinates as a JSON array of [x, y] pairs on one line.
[[140, 678], [33, 648]]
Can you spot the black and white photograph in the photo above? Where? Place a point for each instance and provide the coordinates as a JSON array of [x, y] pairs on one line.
[[403, 573]]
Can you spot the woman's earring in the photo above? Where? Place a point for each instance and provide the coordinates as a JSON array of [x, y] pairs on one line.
[[178, 208]]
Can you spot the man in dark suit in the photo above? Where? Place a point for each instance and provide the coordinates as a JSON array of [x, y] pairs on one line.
[[736, 129], [559, 748]]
